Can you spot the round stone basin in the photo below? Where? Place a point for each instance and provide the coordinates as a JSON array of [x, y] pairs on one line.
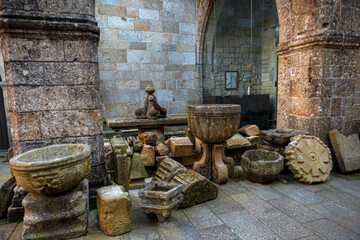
[[53, 169], [214, 123], [262, 165]]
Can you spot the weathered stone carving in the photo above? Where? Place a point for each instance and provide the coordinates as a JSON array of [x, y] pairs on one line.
[[262, 165], [113, 205], [309, 159], [197, 188], [160, 198], [151, 109], [214, 124], [347, 150], [53, 169]]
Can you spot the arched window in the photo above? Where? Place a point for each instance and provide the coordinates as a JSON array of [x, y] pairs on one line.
[[239, 61]]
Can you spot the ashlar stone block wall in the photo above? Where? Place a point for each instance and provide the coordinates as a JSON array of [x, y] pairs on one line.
[[319, 66], [146, 42]]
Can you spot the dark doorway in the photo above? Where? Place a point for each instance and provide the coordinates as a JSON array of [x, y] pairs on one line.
[[4, 139]]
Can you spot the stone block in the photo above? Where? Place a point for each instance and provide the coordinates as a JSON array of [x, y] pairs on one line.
[[6, 195], [148, 155], [113, 205], [57, 217], [254, 139], [181, 147], [121, 169], [347, 150], [187, 28], [148, 14], [137, 168], [28, 126], [250, 130], [141, 25], [81, 51], [237, 141], [188, 161], [138, 56], [161, 149], [110, 10]]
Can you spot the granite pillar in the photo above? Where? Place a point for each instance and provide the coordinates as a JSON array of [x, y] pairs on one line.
[[51, 70]]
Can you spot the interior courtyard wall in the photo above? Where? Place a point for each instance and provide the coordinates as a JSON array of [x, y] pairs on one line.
[[319, 66], [147, 42]]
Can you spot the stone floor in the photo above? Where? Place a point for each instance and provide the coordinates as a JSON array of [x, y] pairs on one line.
[[283, 209]]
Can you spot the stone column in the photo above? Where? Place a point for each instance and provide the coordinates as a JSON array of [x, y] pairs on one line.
[[319, 66], [51, 69]]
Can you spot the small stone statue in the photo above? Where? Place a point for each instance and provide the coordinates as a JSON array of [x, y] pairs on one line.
[[151, 109]]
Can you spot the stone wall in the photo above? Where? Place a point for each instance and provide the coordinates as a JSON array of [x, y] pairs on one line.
[[319, 66], [146, 42], [50, 58]]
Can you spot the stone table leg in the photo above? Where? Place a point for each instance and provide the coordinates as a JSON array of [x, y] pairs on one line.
[[220, 172], [203, 166]]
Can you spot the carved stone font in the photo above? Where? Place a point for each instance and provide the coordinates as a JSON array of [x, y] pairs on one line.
[[213, 125], [151, 108]]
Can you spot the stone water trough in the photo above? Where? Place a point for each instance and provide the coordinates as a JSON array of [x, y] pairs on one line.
[[160, 198], [262, 165], [53, 169]]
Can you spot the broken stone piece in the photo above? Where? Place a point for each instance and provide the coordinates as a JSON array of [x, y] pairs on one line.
[[148, 155], [254, 139], [250, 130], [160, 198], [150, 138], [181, 147], [237, 141], [309, 159], [161, 149], [6, 195], [159, 131], [280, 136], [121, 168], [57, 217], [113, 205], [166, 170], [138, 170], [137, 146], [262, 165], [197, 188], [15, 212], [347, 150]]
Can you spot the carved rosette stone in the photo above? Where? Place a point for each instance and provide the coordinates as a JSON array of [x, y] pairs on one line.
[[309, 159]]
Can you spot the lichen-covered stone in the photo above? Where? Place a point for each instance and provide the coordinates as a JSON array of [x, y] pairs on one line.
[[113, 205], [137, 170], [197, 188], [250, 130], [347, 150], [56, 217], [148, 155], [262, 165]]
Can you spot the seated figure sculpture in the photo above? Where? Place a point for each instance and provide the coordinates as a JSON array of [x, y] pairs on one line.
[[151, 109]]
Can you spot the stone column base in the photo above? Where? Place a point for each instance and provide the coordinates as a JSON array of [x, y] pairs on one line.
[[57, 217]]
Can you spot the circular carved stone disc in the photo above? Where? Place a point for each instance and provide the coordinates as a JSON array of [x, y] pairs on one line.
[[309, 159]]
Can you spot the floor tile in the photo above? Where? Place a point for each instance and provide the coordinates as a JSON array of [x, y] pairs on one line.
[[202, 217], [330, 230], [221, 232]]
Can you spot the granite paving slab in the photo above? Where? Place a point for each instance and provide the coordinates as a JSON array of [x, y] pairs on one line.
[[331, 230], [232, 187], [277, 221], [6, 230], [262, 190], [299, 194], [344, 199], [348, 186], [339, 214], [246, 226], [223, 204], [295, 210], [202, 217], [221, 232]]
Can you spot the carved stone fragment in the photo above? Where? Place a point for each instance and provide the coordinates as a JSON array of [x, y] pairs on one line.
[[151, 109], [309, 159]]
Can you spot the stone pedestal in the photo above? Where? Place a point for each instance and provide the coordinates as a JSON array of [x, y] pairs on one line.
[[57, 217], [49, 50]]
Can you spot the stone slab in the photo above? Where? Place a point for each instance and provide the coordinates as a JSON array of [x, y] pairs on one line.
[[223, 204], [237, 141], [57, 217], [330, 230], [202, 217], [131, 123], [261, 190], [113, 205], [250, 130], [221, 232], [344, 199], [347, 150]]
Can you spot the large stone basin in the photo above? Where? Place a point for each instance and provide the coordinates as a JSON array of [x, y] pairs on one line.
[[53, 169], [214, 123]]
